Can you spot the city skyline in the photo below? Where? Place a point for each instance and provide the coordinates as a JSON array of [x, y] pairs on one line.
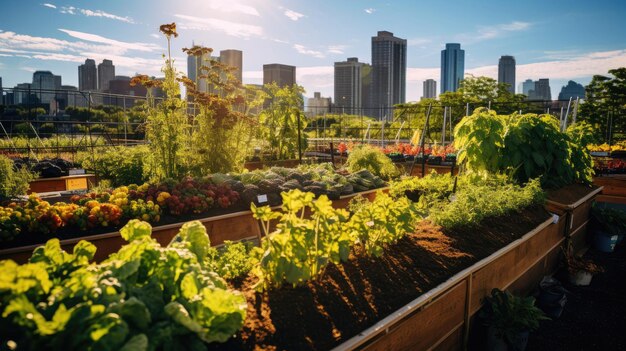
[[303, 35]]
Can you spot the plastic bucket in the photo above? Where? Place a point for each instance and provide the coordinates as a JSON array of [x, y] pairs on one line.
[[581, 278], [604, 241], [552, 297]]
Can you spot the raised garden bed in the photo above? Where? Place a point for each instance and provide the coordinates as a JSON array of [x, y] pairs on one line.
[[573, 202], [614, 188], [440, 169], [66, 183], [221, 225], [406, 299]]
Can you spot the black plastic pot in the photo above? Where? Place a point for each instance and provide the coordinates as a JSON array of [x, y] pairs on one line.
[[413, 195], [496, 343], [552, 297], [434, 160]]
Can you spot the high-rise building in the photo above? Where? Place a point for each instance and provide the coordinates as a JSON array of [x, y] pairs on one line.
[[366, 90], [233, 58], [283, 75], [44, 85], [120, 85], [572, 90], [506, 72], [430, 89], [88, 76], [527, 86], [67, 96], [452, 67], [388, 72], [106, 73], [317, 105], [349, 85], [21, 94], [2, 102], [541, 90]]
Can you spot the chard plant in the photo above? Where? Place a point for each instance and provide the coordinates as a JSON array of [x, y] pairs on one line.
[[300, 248]]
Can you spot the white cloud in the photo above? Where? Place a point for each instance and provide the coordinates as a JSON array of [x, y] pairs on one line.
[[337, 49], [99, 13], [154, 35], [235, 29], [146, 47], [369, 10], [493, 31], [49, 5], [71, 10], [229, 6], [28, 69], [305, 51], [293, 15]]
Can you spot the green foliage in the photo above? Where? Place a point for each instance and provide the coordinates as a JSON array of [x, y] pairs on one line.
[[373, 160], [279, 122], [581, 134], [478, 140], [611, 220], [119, 165], [474, 202], [13, 182], [144, 297], [510, 315], [535, 147], [301, 248], [381, 222], [605, 96], [231, 261]]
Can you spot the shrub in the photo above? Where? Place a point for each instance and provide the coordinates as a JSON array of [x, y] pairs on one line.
[[120, 165], [13, 182], [373, 160], [232, 260]]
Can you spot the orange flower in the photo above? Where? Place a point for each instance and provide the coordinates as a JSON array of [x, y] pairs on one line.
[[169, 29]]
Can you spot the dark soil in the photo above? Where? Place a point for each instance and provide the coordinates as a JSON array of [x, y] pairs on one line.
[[567, 195], [355, 295], [594, 317]]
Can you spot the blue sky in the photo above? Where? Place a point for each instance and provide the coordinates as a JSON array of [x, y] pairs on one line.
[[550, 39]]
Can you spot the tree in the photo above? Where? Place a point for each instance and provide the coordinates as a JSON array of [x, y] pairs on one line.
[[605, 103]]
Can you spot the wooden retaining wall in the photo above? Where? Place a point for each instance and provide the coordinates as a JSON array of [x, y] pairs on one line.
[[440, 319], [73, 182]]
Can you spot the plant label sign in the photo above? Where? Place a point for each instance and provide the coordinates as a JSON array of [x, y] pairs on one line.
[[262, 198], [555, 218], [76, 184]]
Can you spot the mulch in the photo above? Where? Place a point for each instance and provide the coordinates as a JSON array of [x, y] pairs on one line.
[[355, 295], [571, 193]]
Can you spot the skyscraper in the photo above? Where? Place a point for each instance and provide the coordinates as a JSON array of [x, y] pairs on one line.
[[317, 105], [388, 71], [44, 84], [430, 89], [572, 90], [283, 75], [541, 90], [527, 86], [233, 58], [506, 72], [106, 73], [349, 85], [366, 90], [88, 76], [452, 67], [1, 93]]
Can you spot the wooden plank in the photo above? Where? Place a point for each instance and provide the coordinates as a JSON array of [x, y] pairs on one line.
[[506, 269], [581, 214], [612, 199], [613, 185], [530, 279], [452, 341], [578, 238], [428, 326]]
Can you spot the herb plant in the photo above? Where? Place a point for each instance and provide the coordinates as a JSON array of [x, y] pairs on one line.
[[371, 159]]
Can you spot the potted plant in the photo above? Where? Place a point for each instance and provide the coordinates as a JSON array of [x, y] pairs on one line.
[[609, 226], [509, 320], [580, 270]]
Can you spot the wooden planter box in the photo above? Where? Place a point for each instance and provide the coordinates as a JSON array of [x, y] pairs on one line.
[[251, 166], [614, 188], [233, 226], [440, 318], [576, 215], [73, 182], [417, 170]]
